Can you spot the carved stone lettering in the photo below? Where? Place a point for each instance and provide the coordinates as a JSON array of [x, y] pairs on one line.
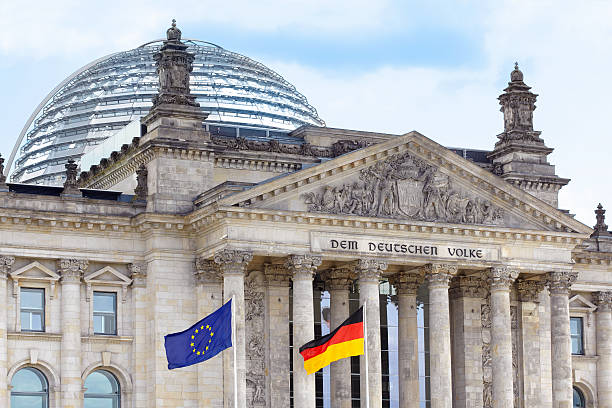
[[407, 187]]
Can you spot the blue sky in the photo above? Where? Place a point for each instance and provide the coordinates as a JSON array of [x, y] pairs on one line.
[[390, 66]]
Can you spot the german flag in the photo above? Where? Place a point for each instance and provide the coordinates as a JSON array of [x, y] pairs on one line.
[[345, 341]]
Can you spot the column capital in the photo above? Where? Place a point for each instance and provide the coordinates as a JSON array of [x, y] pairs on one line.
[[340, 278], [560, 282], [303, 266], [408, 282], [6, 262], [468, 286], [603, 300], [233, 261], [207, 271], [138, 273], [439, 274], [501, 277], [369, 269], [529, 290], [276, 275], [72, 269]]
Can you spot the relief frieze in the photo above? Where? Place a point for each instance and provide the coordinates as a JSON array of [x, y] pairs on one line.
[[404, 187]]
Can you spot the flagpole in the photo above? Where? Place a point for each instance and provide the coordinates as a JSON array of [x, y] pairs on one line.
[[235, 353], [365, 354]]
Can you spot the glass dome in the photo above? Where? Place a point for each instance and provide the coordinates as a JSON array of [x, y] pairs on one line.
[[105, 95]]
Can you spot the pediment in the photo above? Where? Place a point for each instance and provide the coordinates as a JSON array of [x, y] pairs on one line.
[[409, 177], [580, 303], [35, 271], [107, 276]]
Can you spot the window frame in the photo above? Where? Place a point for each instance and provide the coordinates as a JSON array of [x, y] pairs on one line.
[[105, 314], [44, 380], [582, 351], [583, 399], [42, 311], [114, 397]]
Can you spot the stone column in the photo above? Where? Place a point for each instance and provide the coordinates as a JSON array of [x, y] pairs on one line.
[[71, 271], [277, 327], [559, 284], [466, 297], [438, 277], [500, 278], [529, 295], [209, 298], [5, 266], [603, 300], [232, 264], [407, 283], [140, 346], [302, 268], [339, 281], [368, 271], [545, 350]]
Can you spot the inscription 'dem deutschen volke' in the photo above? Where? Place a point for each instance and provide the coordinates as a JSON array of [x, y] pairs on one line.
[[399, 248]]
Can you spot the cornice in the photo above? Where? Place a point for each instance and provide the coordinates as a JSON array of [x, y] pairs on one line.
[[107, 339], [592, 258], [34, 336]]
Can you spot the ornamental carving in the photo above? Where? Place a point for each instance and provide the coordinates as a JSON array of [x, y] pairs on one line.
[[72, 269], [339, 278], [529, 290], [487, 364], [468, 286], [501, 277], [141, 191], [302, 266], [138, 273], [514, 324], [3, 185], [6, 262], [207, 271], [560, 282], [277, 275], [272, 146], [408, 282], [439, 274], [369, 269], [254, 331], [405, 187], [233, 261], [71, 187], [603, 300]]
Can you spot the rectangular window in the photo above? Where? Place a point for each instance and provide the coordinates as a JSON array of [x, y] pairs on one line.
[[576, 330], [105, 313], [32, 309]]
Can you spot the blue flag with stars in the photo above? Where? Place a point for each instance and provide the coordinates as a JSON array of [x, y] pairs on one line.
[[203, 340]]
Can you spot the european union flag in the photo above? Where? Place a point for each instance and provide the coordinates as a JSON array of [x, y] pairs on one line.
[[203, 340]]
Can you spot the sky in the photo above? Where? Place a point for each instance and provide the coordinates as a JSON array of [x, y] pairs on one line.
[[387, 66]]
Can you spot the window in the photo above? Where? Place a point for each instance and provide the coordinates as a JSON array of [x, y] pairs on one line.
[[32, 309], [101, 390], [577, 337], [29, 389], [578, 399], [105, 313]]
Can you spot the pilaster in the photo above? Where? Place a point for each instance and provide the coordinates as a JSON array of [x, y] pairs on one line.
[[232, 264], [603, 300], [6, 262], [208, 279], [302, 268], [438, 277], [71, 271], [140, 346], [467, 294], [407, 283], [559, 284]]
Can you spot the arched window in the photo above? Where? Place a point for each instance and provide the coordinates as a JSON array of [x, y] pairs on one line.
[[30, 389], [578, 399], [101, 390]]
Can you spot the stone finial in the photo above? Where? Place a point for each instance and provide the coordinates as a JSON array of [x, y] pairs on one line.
[[6, 262], [71, 187], [560, 282], [141, 191], [276, 275], [603, 300], [529, 290], [173, 33], [233, 261], [138, 273], [408, 282], [340, 278], [3, 185], [468, 287], [303, 266], [207, 271], [439, 274], [72, 269], [501, 277], [369, 269], [600, 215]]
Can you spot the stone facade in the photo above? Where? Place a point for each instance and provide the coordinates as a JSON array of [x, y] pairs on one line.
[[503, 269]]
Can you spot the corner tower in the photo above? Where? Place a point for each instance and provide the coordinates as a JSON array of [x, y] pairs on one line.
[[519, 156]]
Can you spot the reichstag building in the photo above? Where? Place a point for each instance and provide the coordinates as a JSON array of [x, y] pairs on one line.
[[153, 185]]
